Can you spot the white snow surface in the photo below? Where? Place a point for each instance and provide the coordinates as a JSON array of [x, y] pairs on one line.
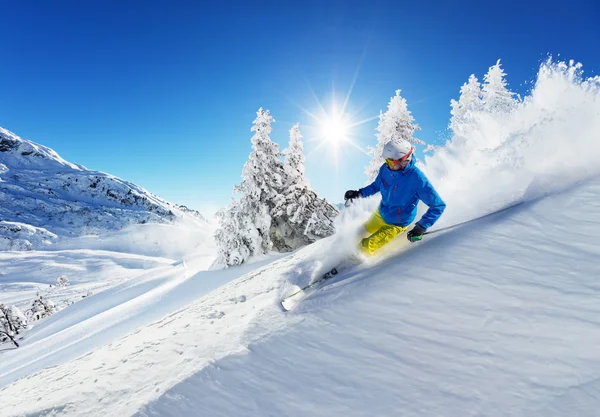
[[499, 317]]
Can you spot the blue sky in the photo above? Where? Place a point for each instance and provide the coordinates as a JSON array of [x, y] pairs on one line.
[[163, 94]]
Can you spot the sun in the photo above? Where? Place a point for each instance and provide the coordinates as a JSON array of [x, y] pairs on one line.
[[334, 131]]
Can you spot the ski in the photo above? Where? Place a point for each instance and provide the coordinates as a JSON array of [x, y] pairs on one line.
[[290, 301]]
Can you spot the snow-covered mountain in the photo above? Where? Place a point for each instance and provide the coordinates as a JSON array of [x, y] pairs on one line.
[[45, 197]]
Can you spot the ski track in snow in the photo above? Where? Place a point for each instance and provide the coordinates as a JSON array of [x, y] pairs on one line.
[[457, 325]]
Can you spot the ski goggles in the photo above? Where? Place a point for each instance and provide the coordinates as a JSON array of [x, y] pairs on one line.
[[404, 159]]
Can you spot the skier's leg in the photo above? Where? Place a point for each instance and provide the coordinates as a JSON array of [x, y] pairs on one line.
[[382, 236], [374, 223], [371, 226]]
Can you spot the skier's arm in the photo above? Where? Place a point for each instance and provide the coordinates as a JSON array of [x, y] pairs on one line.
[[372, 188], [431, 198]]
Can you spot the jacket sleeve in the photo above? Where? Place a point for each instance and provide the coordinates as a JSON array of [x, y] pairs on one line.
[[372, 188], [431, 198]]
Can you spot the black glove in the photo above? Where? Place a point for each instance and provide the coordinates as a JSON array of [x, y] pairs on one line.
[[352, 194], [416, 233]]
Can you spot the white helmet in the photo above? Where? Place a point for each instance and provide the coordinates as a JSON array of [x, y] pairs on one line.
[[398, 149]]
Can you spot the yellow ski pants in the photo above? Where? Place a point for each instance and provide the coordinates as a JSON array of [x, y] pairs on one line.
[[380, 234]]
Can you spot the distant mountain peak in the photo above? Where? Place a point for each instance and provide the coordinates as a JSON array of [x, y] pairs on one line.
[[18, 152], [41, 189]]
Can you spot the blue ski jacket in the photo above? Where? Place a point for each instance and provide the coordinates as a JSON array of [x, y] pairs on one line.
[[400, 194]]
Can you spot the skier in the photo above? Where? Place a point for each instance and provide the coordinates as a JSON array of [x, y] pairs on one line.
[[401, 185]]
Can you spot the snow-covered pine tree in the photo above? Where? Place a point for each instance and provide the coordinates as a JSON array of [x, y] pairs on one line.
[[62, 281], [320, 224], [19, 318], [249, 218], [301, 217], [395, 123], [468, 102], [294, 158], [42, 307], [276, 209], [496, 97], [262, 184], [235, 243], [12, 321]]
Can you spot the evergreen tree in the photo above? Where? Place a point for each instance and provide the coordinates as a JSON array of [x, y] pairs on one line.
[[496, 97], [234, 237], [294, 158], [245, 224], [262, 184], [469, 101], [276, 209], [42, 307], [62, 281], [320, 224], [300, 217], [395, 123], [263, 173], [12, 321]]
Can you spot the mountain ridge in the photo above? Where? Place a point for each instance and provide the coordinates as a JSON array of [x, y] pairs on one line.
[[43, 192]]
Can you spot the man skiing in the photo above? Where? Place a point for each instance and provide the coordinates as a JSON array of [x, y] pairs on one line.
[[401, 185]]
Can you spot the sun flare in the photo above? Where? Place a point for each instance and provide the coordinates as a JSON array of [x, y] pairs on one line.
[[334, 131]]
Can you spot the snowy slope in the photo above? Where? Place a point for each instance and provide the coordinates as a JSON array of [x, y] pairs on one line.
[[119, 308], [496, 318], [482, 320], [45, 197], [461, 325]]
